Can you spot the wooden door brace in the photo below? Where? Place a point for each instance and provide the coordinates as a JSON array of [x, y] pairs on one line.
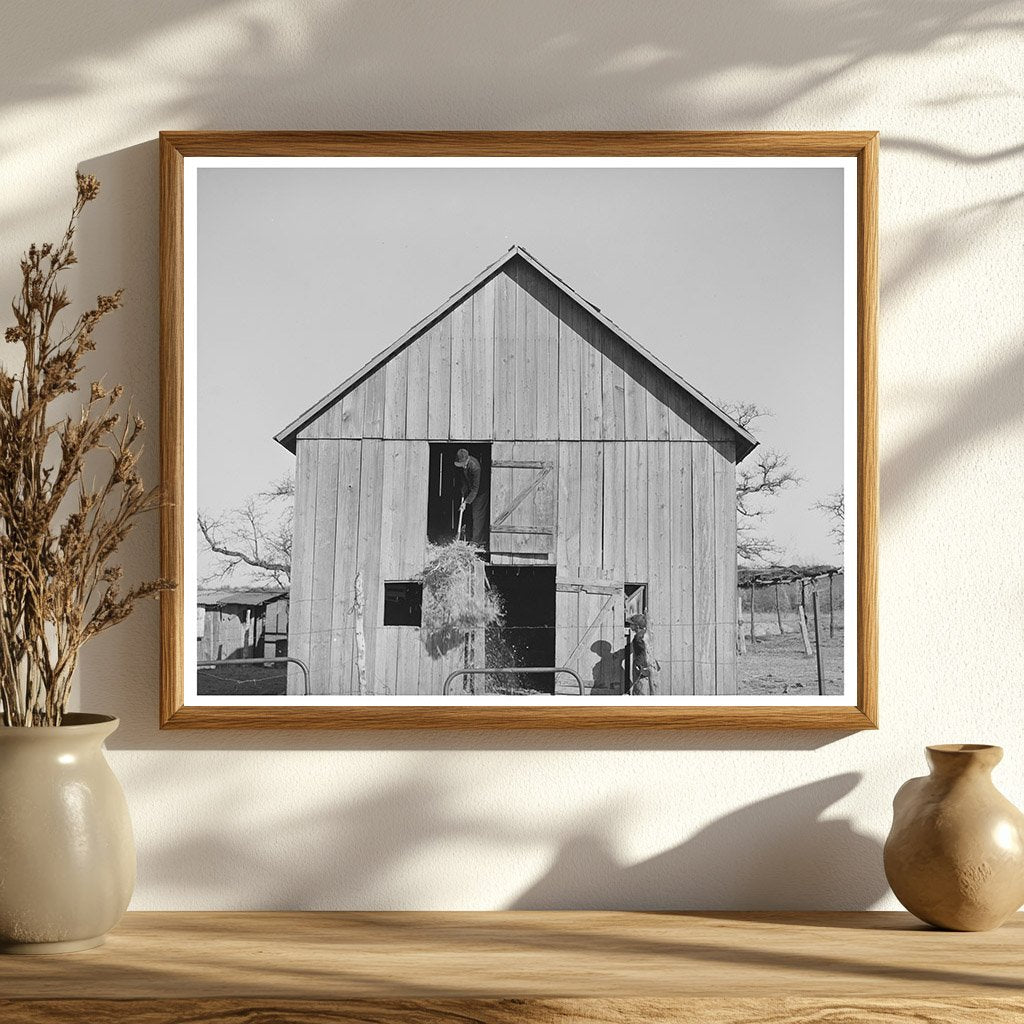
[[590, 629], [545, 469]]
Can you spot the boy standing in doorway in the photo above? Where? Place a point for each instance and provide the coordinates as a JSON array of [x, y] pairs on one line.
[[642, 662]]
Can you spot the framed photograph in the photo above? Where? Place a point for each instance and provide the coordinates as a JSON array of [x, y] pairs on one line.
[[519, 430]]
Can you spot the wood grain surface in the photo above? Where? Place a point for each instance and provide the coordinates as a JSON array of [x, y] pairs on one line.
[[176, 146], [524, 966]]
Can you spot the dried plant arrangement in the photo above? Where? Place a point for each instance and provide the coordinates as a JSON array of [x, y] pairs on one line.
[[59, 530]]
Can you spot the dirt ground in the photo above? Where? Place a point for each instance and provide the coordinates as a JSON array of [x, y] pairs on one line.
[[777, 665], [229, 680]]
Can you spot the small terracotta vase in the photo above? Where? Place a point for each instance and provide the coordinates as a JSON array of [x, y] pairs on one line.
[[955, 854], [67, 856]]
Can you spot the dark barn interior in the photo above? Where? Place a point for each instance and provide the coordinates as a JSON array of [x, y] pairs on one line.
[[527, 596]]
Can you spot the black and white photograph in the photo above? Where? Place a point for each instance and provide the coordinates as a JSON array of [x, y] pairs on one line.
[[520, 430]]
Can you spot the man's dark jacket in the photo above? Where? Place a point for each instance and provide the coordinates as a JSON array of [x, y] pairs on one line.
[[476, 494]]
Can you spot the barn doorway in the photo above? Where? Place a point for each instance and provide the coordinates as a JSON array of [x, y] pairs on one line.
[[445, 493], [526, 637]]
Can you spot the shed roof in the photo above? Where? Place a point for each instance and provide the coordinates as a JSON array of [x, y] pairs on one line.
[[247, 598], [745, 441], [768, 575]]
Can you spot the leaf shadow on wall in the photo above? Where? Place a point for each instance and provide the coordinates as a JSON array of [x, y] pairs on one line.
[[777, 853], [202, 62]]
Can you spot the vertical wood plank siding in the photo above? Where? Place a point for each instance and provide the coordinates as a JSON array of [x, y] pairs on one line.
[[371, 494], [704, 611], [545, 313], [505, 289], [417, 394], [482, 383], [642, 491], [636, 518], [725, 566], [569, 368], [567, 544], [658, 416], [373, 405], [342, 672], [613, 387], [546, 497], [527, 378], [463, 379], [392, 527], [439, 392], [591, 395], [659, 553], [680, 675], [328, 465], [635, 395], [396, 383], [614, 526], [304, 554], [591, 509], [566, 637], [352, 414]]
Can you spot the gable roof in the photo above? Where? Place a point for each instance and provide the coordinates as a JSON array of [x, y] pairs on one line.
[[745, 441]]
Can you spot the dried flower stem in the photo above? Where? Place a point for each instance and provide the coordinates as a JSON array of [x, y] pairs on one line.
[[58, 588]]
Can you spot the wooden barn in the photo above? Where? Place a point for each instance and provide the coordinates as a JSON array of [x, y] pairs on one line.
[[612, 491]]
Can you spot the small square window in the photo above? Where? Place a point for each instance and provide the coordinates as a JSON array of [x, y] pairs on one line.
[[403, 603]]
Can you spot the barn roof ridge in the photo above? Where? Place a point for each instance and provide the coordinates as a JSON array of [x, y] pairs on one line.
[[288, 436]]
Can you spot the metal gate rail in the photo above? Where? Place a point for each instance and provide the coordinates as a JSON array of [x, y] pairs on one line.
[[508, 671], [262, 661]]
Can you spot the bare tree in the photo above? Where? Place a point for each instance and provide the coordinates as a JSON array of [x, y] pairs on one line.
[[834, 507], [255, 538], [756, 483]]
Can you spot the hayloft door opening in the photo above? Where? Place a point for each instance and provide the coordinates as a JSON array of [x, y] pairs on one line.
[[526, 636], [459, 469]]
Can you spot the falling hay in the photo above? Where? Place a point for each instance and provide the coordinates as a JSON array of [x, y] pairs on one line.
[[456, 601]]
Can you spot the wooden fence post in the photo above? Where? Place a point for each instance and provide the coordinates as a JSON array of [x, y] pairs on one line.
[[817, 642], [778, 609], [802, 615], [753, 638], [831, 608], [741, 647]]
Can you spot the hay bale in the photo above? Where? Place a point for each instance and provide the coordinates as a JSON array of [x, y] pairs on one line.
[[456, 601]]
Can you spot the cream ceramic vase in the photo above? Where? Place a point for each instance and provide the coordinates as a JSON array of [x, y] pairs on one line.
[[67, 856], [955, 855]]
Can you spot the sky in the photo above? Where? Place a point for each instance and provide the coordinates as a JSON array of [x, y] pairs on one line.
[[733, 277]]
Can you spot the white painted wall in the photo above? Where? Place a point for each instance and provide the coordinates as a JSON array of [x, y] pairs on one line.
[[482, 821]]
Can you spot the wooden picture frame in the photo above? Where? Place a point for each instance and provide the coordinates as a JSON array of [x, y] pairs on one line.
[[178, 148]]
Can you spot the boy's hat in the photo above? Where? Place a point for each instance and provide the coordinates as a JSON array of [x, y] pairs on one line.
[[637, 621]]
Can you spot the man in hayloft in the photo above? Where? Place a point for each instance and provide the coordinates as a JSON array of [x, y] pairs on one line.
[[476, 498]]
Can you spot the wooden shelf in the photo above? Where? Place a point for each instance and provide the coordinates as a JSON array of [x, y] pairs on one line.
[[523, 966]]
